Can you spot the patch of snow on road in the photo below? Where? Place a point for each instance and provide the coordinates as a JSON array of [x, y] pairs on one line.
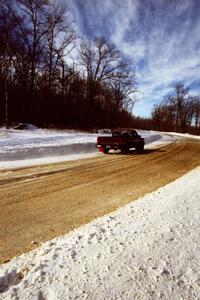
[[148, 249], [43, 160]]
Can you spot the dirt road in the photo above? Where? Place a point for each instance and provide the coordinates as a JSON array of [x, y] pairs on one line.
[[39, 203]]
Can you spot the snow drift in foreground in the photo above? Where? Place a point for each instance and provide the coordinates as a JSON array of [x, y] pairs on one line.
[[148, 249]]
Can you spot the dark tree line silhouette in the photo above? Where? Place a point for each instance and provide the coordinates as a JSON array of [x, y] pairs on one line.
[[40, 84]]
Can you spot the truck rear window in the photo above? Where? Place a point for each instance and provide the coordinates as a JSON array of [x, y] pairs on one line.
[[131, 133]]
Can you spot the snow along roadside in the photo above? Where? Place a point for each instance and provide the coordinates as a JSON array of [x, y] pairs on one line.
[[30, 148], [148, 249]]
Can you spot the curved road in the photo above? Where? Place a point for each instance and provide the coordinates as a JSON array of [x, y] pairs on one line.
[[39, 203]]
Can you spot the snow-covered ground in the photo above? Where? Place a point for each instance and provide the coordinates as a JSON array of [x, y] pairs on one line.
[[35, 146], [39, 146], [184, 135], [43, 142], [148, 249]]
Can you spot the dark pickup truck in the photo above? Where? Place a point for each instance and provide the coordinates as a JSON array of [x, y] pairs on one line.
[[121, 139]]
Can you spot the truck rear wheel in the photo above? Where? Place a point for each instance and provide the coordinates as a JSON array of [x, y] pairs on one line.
[[140, 148], [105, 151], [125, 150]]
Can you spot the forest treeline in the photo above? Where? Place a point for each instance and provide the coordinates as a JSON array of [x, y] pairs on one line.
[[50, 76], [42, 83], [178, 112]]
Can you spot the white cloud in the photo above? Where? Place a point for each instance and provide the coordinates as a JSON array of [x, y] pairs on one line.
[[126, 12], [161, 37]]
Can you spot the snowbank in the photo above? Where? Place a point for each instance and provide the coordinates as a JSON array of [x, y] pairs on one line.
[[20, 148], [155, 138], [12, 140], [148, 249], [184, 135], [39, 146]]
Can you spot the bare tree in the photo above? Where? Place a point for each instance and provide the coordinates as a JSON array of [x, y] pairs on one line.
[[9, 20], [196, 111], [33, 30], [100, 61], [179, 101], [60, 38], [178, 112], [123, 85], [40, 85]]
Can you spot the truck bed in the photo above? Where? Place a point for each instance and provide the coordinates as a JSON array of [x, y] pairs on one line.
[[124, 141]]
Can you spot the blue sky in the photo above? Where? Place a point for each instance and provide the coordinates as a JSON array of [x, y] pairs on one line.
[[161, 37]]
